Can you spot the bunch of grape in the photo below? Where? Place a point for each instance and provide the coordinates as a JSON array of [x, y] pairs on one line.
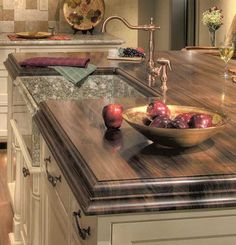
[[130, 52]]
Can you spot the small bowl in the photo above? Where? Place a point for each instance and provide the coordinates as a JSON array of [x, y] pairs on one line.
[[175, 137]]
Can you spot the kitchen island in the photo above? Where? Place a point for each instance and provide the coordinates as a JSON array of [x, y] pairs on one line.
[[128, 190]]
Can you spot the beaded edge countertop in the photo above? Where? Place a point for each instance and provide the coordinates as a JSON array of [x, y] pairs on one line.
[[77, 39]]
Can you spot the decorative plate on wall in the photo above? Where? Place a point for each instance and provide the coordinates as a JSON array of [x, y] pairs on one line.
[[84, 14]]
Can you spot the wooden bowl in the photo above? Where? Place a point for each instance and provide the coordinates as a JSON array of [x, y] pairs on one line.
[[175, 137]]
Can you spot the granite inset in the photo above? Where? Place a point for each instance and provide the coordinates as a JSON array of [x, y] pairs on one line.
[[42, 88]]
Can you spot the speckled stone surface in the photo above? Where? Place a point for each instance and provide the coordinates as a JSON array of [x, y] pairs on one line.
[[78, 39], [96, 86]]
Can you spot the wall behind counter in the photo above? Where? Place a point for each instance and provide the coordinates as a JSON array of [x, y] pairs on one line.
[[37, 15]]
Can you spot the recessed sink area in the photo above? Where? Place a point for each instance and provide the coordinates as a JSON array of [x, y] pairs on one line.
[[93, 87]]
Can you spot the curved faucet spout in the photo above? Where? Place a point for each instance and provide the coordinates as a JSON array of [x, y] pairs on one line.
[[152, 69], [148, 27]]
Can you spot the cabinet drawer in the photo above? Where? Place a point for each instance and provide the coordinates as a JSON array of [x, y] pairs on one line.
[[55, 178], [205, 231]]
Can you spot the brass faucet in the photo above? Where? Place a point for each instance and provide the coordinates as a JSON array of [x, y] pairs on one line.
[[152, 69]]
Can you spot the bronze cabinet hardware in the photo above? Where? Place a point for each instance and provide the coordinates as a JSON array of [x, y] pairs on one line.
[[52, 179], [83, 233], [25, 172]]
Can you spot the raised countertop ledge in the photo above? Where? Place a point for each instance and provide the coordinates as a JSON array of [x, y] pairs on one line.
[[77, 39]]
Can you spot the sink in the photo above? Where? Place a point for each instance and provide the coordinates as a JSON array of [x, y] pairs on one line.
[[107, 86]]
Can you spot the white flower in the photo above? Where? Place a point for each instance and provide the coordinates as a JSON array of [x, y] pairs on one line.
[[213, 18]]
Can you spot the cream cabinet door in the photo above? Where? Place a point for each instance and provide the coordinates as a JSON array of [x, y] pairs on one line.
[[55, 219], [192, 231]]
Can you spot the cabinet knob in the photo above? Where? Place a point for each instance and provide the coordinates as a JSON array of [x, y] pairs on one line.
[[52, 179], [84, 233], [25, 172]]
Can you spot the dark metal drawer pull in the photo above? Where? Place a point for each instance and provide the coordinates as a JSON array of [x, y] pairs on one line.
[[52, 179], [25, 172], [83, 233]]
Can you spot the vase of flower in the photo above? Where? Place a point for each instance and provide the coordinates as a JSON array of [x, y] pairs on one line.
[[213, 38], [213, 19]]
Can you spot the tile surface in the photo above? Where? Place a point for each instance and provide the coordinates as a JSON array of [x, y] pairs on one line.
[[31, 4]]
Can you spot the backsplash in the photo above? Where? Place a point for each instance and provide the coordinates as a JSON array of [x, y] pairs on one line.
[[33, 15], [38, 15]]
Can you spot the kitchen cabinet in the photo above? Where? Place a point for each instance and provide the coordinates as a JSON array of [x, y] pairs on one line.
[[55, 202], [3, 92], [61, 211], [23, 177], [24, 191]]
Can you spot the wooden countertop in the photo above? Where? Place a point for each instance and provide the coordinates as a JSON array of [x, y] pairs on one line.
[[129, 173]]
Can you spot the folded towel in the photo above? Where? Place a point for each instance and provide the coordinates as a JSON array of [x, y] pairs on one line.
[[55, 61], [75, 74]]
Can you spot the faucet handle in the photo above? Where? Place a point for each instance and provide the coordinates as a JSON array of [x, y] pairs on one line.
[[164, 62]]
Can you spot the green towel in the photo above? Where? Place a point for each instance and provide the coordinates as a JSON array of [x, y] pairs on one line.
[[75, 74]]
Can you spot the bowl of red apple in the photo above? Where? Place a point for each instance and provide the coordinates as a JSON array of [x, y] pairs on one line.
[[175, 125]]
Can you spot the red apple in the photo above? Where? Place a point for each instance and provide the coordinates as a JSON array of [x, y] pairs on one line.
[[157, 108], [112, 115], [186, 116], [160, 122], [178, 123], [199, 120]]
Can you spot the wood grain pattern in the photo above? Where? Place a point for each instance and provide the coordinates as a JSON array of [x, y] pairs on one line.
[[130, 174]]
